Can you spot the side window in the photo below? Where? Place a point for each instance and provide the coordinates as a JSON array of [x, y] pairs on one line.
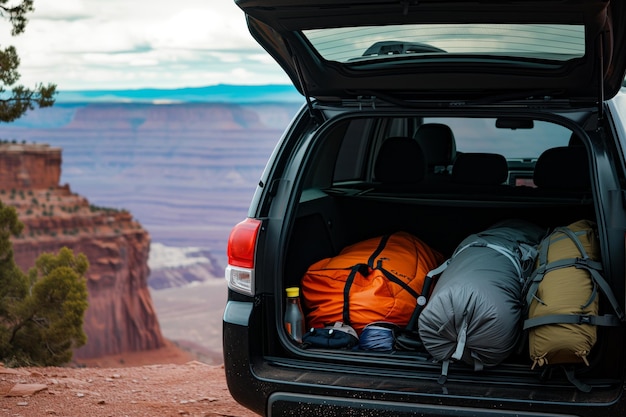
[[352, 155], [362, 139]]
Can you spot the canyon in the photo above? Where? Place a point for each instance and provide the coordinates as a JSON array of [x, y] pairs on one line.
[[120, 316], [126, 184], [186, 172]]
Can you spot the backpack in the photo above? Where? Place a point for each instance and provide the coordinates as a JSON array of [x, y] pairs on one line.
[[562, 299], [375, 280]]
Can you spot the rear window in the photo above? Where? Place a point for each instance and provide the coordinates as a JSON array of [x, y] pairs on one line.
[[538, 41]]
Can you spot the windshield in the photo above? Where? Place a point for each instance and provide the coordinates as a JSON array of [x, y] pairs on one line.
[[551, 42]]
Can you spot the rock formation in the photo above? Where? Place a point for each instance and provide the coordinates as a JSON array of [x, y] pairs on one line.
[[120, 317]]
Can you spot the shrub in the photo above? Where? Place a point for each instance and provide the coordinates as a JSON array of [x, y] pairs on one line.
[[41, 314]]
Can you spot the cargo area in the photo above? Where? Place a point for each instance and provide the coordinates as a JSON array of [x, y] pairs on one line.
[[442, 212], [326, 223]]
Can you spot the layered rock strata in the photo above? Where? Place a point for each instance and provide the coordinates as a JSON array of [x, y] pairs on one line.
[[121, 316]]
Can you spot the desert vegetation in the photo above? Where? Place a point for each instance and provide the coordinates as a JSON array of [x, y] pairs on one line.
[[42, 311]]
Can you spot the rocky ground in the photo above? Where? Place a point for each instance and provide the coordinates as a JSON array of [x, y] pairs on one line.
[[163, 383]]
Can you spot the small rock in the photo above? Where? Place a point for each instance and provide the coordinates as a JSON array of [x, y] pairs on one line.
[[11, 371], [22, 390], [209, 399]]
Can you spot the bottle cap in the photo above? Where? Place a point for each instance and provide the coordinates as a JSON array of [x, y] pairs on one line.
[[292, 292]]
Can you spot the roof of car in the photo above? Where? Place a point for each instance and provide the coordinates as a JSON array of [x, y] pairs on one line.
[[446, 50]]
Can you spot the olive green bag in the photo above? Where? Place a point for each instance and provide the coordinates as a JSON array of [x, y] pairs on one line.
[[562, 297]]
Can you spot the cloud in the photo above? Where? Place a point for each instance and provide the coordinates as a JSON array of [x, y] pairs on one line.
[[66, 10], [92, 44]]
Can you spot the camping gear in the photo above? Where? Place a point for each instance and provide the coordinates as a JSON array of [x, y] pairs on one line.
[[474, 312], [378, 336], [562, 296], [378, 279], [337, 336]]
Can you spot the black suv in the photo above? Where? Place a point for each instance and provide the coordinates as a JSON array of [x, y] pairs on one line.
[[488, 91]]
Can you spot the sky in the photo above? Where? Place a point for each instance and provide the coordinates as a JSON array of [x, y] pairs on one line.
[[131, 44]]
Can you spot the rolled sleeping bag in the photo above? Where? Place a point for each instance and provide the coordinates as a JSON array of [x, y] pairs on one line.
[[474, 312]]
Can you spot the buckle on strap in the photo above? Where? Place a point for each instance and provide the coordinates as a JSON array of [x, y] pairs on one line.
[[588, 263], [585, 319]]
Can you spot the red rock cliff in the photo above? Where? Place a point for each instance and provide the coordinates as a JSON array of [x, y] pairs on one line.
[[120, 317], [29, 166]]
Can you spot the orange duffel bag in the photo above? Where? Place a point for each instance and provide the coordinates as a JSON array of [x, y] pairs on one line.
[[379, 279]]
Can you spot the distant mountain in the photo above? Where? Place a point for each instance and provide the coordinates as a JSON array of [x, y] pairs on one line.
[[221, 93], [186, 171]]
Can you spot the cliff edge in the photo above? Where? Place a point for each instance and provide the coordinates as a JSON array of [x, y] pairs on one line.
[[121, 316]]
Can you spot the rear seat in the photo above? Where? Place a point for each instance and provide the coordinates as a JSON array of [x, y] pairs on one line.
[[563, 171], [480, 169], [479, 173], [439, 147], [400, 165]]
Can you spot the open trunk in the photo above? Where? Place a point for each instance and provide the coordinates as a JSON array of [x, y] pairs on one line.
[[342, 202]]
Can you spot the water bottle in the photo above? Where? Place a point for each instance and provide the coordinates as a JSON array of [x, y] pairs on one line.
[[294, 318]]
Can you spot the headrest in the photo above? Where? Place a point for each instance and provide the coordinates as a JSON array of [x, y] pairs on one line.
[[480, 169], [400, 160], [437, 142], [563, 167]]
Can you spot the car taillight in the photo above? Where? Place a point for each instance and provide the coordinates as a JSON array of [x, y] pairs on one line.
[[240, 251]]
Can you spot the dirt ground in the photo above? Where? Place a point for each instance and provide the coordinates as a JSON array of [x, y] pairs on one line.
[[161, 383]]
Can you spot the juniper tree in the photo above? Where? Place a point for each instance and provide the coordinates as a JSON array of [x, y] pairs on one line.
[[54, 310], [13, 285], [15, 99], [42, 312]]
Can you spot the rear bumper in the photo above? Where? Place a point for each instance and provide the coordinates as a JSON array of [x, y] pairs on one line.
[[286, 404], [280, 386], [244, 386]]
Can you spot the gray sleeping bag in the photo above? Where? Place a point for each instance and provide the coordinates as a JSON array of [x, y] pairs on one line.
[[474, 312]]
